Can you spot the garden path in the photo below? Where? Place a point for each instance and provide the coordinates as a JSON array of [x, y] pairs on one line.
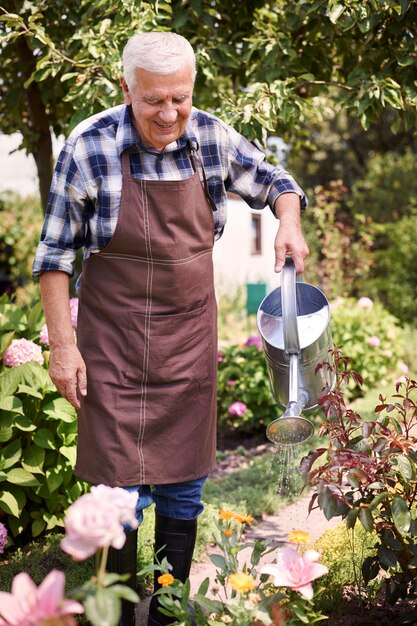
[[292, 517]]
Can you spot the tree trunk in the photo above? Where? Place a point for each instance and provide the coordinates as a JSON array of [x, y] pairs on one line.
[[36, 130]]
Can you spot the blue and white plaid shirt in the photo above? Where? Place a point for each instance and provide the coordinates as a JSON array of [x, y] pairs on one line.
[[84, 199]]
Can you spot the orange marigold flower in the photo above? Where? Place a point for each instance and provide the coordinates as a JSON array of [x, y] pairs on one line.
[[244, 519], [298, 537], [165, 580], [224, 514], [228, 532], [241, 582]]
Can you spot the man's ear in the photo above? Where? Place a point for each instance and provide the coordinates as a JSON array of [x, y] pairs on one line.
[[126, 93]]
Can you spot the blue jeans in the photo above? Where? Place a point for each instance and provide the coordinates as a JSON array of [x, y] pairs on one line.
[[177, 500]]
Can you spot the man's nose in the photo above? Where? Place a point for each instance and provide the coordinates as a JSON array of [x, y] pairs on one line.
[[168, 114]]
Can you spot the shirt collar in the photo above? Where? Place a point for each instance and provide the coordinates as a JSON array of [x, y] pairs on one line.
[[127, 135]]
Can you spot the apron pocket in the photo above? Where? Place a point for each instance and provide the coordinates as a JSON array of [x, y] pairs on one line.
[[165, 349]]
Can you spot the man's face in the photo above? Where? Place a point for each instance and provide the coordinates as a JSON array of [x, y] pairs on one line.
[[161, 105]]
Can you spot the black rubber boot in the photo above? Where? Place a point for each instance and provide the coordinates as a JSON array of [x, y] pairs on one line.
[[175, 540], [124, 561]]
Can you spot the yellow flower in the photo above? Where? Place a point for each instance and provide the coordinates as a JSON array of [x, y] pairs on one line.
[[241, 582], [228, 532], [298, 537], [244, 519], [229, 515], [165, 580], [223, 514]]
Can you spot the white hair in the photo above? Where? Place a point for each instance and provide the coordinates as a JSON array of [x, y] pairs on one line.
[[156, 51]]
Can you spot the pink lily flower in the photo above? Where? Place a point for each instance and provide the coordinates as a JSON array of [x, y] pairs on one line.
[[296, 571], [29, 605]]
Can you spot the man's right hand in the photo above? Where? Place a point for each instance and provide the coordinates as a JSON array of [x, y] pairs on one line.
[[68, 373]]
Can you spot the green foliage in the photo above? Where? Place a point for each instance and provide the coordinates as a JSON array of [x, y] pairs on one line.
[[38, 434], [265, 67], [394, 276], [343, 550], [370, 337], [20, 227], [242, 377], [368, 476], [246, 597]]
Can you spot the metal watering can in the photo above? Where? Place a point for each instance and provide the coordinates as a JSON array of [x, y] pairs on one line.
[[293, 321]]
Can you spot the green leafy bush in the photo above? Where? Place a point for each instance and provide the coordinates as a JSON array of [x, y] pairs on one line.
[[367, 475], [370, 337], [244, 400], [38, 432], [20, 227]]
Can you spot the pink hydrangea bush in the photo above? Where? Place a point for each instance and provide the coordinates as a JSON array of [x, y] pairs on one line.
[[22, 351], [3, 537]]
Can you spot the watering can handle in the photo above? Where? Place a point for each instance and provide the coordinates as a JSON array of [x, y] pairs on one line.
[[289, 307]]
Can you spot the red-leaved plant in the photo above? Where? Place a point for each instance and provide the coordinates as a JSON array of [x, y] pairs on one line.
[[367, 472]]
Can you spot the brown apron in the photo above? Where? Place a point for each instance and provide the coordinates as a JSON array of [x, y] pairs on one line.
[[147, 330]]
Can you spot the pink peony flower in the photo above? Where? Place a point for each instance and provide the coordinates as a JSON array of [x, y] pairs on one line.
[[374, 341], [3, 537], [254, 340], [29, 605], [219, 357], [74, 311], [44, 335], [232, 382], [365, 303], [238, 408], [296, 571], [96, 520], [22, 351]]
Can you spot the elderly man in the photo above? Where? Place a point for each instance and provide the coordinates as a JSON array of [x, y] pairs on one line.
[[142, 188]]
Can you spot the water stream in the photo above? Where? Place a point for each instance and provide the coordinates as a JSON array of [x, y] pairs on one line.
[[285, 464]]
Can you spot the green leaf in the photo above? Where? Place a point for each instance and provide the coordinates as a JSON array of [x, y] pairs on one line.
[[378, 499], [370, 569], [18, 524], [54, 478], [10, 454], [70, 453], [12, 500], [11, 404], [335, 12], [406, 468], [60, 409], [367, 521], [44, 439], [103, 608], [35, 318], [20, 476], [387, 557], [23, 423], [401, 515], [33, 459], [38, 526], [29, 391], [218, 560]]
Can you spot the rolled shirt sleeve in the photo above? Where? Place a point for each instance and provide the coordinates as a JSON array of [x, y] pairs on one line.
[[253, 178]]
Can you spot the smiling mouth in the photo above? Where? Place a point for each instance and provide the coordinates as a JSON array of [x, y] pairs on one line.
[[164, 126]]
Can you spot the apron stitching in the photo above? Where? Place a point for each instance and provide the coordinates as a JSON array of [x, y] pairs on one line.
[[123, 257], [148, 312]]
